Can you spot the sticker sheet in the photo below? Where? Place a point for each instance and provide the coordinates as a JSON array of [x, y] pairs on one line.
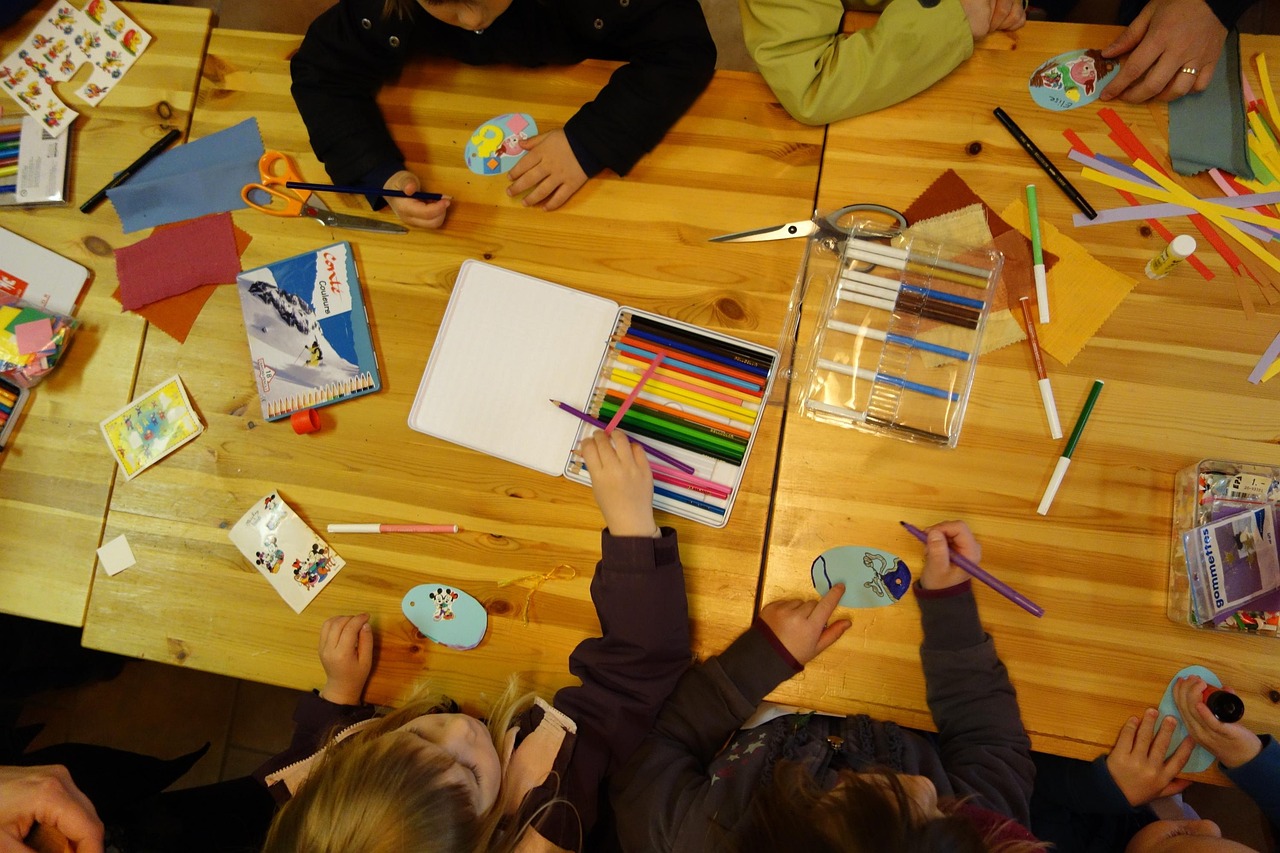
[[1072, 80], [288, 553], [494, 147], [151, 427], [53, 52]]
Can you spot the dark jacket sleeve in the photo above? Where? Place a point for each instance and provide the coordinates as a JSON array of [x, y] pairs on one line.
[[1229, 11], [666, 783], [628, 671], [1077, 806], [983, 745], [1260, 779], [670, 58], [315, 720]]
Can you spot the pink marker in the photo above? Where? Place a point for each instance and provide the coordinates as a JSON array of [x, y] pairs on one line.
[[393, 528]]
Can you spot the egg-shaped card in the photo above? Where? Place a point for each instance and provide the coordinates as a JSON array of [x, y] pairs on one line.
[[1072, 79], [871, 578], [446, 615], [1201, 758], [494, 147]]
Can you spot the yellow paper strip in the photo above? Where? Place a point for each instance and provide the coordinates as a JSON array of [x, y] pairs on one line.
[[1183, 197], [1263, 145], [1271, 371]]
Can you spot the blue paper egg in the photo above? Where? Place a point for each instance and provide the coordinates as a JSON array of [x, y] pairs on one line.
[[494, 147], [1201, 758], [871, 578], [446, 615]]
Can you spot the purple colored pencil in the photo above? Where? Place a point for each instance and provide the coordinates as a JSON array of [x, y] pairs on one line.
[[983, 575], [653, 451]]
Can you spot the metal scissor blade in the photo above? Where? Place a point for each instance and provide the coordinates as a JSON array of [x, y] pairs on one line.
[[785, 231], [359, 223]]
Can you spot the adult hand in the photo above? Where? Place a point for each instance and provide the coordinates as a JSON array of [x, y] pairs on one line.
[[1137, 762], [1230, 743], [939, 572], [1166, 37], [414, 212], [801, 626], [46, 796], [549, 172], [621, 481], [346, 653]]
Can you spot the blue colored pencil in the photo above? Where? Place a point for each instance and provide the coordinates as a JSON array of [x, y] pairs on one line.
[[685, 499], [681, 346], [753, 387], [8, 188], [378, 191]]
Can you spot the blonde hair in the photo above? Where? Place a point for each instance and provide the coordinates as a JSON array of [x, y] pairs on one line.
[[370, 793]]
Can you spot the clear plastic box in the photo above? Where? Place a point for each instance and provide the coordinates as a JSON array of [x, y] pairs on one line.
[[887, 331], [1198, 491]]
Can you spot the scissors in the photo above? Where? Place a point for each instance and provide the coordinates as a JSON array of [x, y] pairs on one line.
[[276, 171], [872, 220]]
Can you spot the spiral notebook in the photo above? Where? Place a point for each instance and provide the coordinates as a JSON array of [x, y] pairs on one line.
[[510, 343], [309, 337]]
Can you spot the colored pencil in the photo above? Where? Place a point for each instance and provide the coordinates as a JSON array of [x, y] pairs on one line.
[[1064, 461], [725, 393], [674, 391], [1037, 257], [688, 436], [1042, 376], [678, 419], [888, 379], [901, 340], [653, 451], [696, 350], [754, 388], [394, 528], [8, 188], [6, 171], [374, 191], [748, 356], [11, 136], [1043, 162], [685, 499], [982, 574], [660, 408], [718, 368], [894, 286], [693, 481], [635, 392]]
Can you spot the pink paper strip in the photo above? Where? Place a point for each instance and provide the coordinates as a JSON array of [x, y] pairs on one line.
[[635, 392], [175, 260]]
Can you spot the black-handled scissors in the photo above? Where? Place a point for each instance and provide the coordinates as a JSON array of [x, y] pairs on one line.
[[872, 220]]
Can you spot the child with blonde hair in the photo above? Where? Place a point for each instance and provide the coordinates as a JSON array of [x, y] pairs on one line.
[[815, 783], [427, 778]]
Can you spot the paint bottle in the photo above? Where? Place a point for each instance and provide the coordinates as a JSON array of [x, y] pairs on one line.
[[1227, 707], [1178, 250]]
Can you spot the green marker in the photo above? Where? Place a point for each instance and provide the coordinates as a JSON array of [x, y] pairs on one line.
[[1064, 461], [1037, 255]]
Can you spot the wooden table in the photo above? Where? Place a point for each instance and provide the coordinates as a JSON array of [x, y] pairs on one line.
[[1175, 357], [736, 159], [56, 475]]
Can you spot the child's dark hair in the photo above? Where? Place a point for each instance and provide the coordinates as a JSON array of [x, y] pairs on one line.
[[862, 814]]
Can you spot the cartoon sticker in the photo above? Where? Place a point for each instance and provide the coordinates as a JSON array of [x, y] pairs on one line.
[[494, 147], [871, 578], [287, 552], [1072, 79], [446, 615], [1201, 758]]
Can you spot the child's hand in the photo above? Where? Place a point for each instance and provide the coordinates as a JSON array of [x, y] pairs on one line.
[[801, 626], [412, 212], [1137, 762], [621, 482], [939, 572], [1230, 743], [346, 652], [549, 172]]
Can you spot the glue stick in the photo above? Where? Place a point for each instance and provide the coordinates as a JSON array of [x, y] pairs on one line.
[[1178, 250], [1227, 707]]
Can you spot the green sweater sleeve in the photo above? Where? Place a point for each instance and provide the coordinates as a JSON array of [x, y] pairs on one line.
[[821, 75]]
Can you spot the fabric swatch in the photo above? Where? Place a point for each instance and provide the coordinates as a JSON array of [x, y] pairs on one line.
[[1221, 107], [1083, 291], [175, 260], [202, 177]]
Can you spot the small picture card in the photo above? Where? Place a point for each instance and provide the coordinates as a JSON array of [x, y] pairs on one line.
[[288, 553], [1072, 80], [151, 427]]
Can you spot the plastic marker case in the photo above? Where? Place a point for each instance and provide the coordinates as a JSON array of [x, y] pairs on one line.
[[888, 334]]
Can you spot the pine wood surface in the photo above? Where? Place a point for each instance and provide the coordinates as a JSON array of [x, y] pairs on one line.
[[56, 474], [735, 161], [1175, 357]]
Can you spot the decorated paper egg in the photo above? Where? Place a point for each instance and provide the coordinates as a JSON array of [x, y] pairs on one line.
[[1201, 758], [871, 578], [494, 147], [446, 615]]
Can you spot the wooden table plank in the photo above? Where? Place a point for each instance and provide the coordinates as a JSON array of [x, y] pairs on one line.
[[1175, 357], [736, 158], [57, 473]]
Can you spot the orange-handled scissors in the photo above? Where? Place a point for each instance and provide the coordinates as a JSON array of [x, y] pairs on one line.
[[274, 198]]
